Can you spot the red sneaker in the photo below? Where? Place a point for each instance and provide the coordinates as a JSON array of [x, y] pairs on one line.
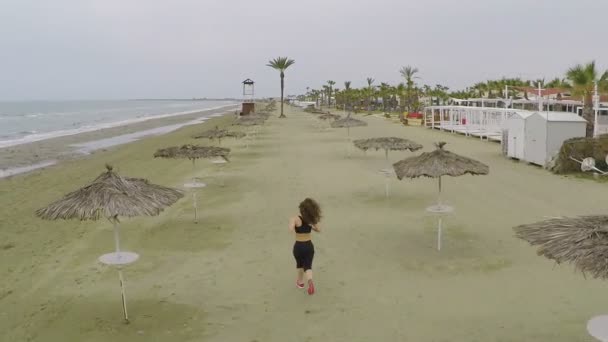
[[300, 286], [311, 287]]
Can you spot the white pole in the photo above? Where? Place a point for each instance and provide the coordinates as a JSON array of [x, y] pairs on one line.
[[120, 278], [194, 205], [439, 234], [596, 106], [116, 236], [540, 101], [386, 185], [123, 294]]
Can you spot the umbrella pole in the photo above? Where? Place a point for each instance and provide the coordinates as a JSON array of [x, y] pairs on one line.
[[348, 142], [195, 205], [440, 223], [386, 156], [120, 277], [194, 190], [386, 184], [193, 170], [439, 195]]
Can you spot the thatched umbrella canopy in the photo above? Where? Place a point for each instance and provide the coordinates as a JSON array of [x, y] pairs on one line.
[[331, 117], [192, 152], [218, 134], [111, 196], [437, 164], [252, 122], [581, 241], [249, 121], [347, 123], [387, 144]]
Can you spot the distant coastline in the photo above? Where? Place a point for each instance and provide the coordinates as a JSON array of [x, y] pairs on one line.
[[27, 157], [192, 99]]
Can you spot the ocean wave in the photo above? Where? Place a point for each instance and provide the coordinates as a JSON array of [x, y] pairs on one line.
[[33, 137]]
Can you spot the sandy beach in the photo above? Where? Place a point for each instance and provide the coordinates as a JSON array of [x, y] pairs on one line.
[[231, 277]]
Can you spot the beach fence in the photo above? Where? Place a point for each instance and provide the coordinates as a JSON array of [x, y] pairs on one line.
[[483, 122]]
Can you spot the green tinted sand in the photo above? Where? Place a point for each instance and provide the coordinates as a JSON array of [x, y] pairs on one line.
[[231, 277]]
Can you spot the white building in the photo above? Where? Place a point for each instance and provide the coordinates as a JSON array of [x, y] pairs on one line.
[[545, 132], [516, 134]]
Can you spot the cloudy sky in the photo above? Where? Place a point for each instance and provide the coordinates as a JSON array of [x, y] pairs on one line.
[[112, 49]]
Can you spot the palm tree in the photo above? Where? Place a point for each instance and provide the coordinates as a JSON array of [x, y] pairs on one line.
[[330, 86], [409, 73], [325, 92], [385, 93], [583, 78], [281, 64], [400, 91], [558, 83], [346, 95], [370, 91]]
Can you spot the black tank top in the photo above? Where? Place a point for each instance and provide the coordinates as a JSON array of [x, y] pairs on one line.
[[305, 228]]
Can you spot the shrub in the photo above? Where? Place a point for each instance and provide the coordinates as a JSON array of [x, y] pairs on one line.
[[580, 148]]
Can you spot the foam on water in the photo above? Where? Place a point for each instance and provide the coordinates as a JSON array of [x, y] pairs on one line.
[[33, 136], [23, 169], [94, 145], [91, 146]]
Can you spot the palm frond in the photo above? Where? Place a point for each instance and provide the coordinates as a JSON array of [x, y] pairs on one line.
[[281, 63]]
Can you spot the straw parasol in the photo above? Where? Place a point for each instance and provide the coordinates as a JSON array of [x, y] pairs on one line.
[[581, 241], [111, 196], [250, 121], [329, 117], [193, 152], [347, 123], [218, 134], [435, 165], [386, 144]]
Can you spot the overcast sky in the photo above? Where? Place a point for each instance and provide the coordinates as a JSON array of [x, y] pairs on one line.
[[112, 49]]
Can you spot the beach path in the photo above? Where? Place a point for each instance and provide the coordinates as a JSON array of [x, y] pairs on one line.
[[231, 277]]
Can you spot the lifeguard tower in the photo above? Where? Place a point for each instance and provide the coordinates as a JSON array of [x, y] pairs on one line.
[[248, 97]]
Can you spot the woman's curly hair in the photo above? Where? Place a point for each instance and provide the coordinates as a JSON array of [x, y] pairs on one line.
[[310, 211]]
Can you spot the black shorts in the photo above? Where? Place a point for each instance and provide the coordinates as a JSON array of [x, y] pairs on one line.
[[304, 251]]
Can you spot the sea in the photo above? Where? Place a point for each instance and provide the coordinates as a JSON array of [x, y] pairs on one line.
[[30, 121]]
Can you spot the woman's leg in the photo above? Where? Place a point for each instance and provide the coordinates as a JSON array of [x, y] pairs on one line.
[[297, 254], [308, 269], [300, 276], [308, 275]]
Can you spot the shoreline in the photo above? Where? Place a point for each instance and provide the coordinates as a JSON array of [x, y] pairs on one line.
[[23, 158]]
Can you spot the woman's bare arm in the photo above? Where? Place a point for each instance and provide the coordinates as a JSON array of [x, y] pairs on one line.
[[316, 227], [292, 224]]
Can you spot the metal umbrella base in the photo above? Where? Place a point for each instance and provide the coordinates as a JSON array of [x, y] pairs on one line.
[[220, 163], [440, 210], [193, 186], [387, 174], [598, 327], [119, 259]]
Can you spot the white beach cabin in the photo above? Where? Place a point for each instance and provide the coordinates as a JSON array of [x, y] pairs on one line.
[[516, 134], [545, 132]]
